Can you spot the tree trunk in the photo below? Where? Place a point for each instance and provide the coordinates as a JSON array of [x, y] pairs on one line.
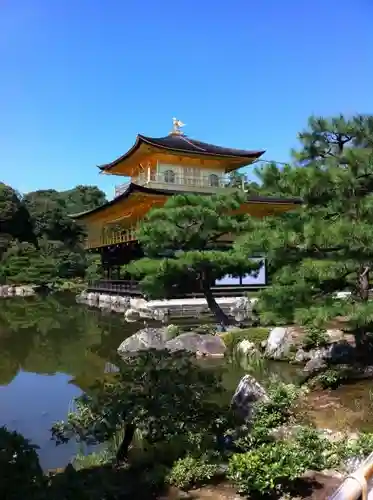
[[122, 453], [214, 306], [363, 284]]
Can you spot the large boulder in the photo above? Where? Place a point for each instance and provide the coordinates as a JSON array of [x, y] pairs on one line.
[[147, 338], [314, 366], [279, 343], [248, 392], [201, 344], [342, 352]]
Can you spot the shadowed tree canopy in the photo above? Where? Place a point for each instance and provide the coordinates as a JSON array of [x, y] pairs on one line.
[[183, 243], [326, 245]]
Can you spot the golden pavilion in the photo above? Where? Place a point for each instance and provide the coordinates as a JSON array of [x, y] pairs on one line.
[[159, 168]]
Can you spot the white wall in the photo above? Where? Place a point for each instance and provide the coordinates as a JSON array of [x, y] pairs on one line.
[[182, 171]]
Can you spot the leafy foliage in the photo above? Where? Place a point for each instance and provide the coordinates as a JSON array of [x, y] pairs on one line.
[[160, 393], [21, 475], [15, 220], [264, 469], [182, 241], [189, 471], [39, 242], [326, 245], [315, 337]]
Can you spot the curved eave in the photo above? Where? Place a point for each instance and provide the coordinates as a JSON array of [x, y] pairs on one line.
[[242, 156], [132, 187]]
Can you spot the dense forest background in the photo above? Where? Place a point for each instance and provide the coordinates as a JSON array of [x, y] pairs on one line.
[[39, 242]]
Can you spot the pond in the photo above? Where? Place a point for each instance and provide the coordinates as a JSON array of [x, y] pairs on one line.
[[53, 349]]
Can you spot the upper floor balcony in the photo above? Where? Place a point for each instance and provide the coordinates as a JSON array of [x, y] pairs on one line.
[[169, 180]]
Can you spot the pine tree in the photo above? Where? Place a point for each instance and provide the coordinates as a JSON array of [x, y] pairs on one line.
[[326, 246], [182, 242]]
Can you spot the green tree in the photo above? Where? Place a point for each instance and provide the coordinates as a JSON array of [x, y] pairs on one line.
[[183, 243], [327, 245], [160, 393], [50, 210], [239, 180], [42, 218], [15, 221], [23, 263]]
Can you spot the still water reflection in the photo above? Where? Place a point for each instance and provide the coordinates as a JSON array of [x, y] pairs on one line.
[[51, 350]]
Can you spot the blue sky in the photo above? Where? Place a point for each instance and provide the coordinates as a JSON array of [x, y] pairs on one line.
[[80, 78]]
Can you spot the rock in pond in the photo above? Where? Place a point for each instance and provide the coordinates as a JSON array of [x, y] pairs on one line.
[[278, 343], [248, 392], [201, 344], [158, 338], [147, 338]]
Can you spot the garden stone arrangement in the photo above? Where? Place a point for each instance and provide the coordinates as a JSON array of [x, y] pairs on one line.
[[135, 309], [161, 338], [16, 291]]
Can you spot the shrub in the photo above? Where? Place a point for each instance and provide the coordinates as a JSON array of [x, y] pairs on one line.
[[269, 415], [21, 475], [331, 378], [267, 469], [362, 447], [321, 453], [315, 338], [272, 466], [190, 470]]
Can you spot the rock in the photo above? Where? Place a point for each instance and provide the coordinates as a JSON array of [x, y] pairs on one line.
[[301, 356], [160, 314], [104, 298], [148, 338], [342, 295], [314, 366], [157, 338], [201, 344], [19, 291], [246, 348], [278, 343], [334, 334], [341, 352], [24, 291], [248, 392], [241, 309], [138, 304], [321, 357], [131, 315]]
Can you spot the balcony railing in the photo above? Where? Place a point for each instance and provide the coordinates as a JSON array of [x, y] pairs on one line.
[[113, 237], [179, 182]]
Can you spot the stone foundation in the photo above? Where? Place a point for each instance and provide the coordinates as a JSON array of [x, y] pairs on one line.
[[16, 291], [135, 309]]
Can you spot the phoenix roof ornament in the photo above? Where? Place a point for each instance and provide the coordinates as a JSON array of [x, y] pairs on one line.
[[177, 126]]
